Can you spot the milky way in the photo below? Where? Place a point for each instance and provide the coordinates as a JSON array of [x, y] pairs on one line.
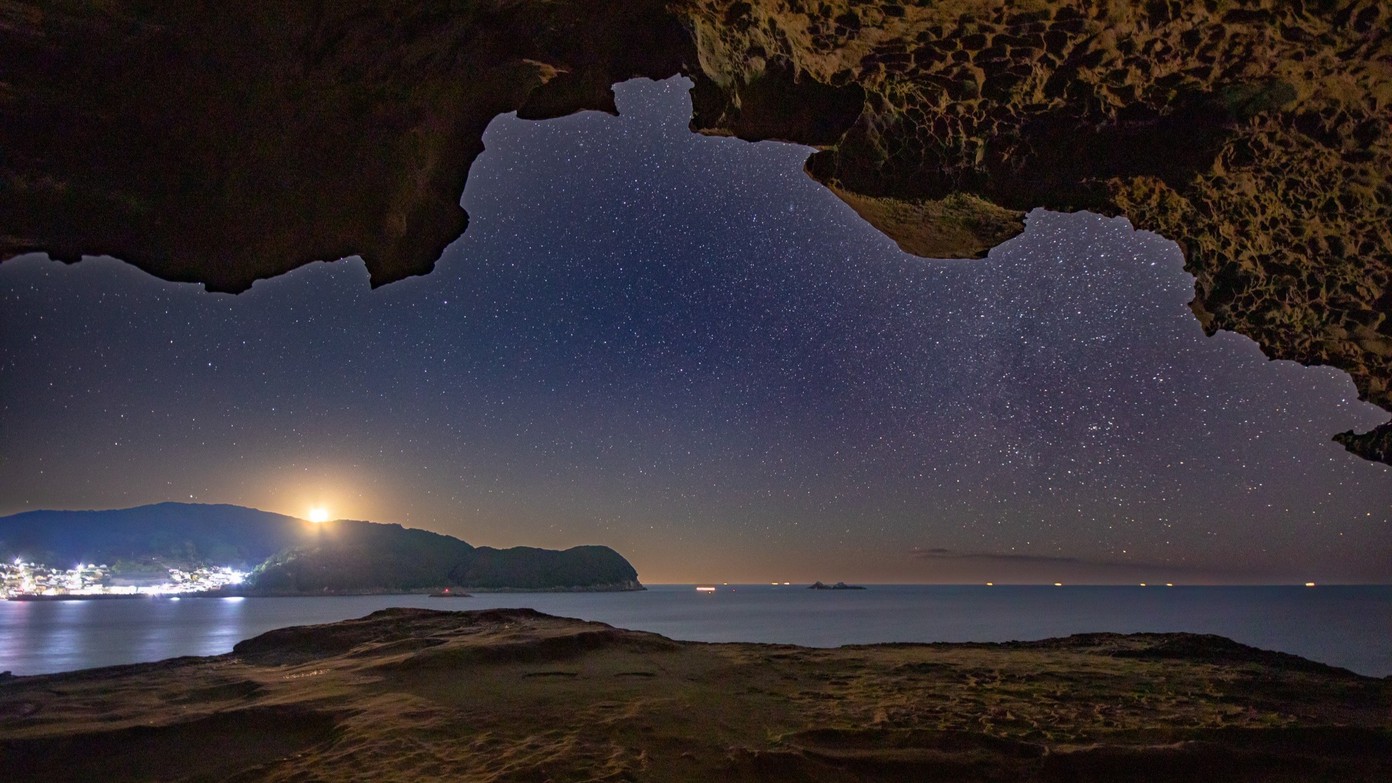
[[684, 348]]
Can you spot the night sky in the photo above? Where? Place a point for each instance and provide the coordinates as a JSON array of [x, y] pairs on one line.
[[684, 348]]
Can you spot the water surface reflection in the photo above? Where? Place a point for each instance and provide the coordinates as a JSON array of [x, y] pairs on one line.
[[1344, 626]]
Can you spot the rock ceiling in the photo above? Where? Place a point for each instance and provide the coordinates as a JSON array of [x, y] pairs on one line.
[[227, 142]]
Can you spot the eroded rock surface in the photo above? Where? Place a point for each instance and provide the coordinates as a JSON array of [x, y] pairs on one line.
[[1255, 134], [223, 143], [511, 694]]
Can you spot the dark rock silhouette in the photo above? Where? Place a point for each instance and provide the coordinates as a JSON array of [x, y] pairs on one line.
[[837, 586]]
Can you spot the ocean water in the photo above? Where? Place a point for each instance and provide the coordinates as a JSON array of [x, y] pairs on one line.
[[1344, 626]]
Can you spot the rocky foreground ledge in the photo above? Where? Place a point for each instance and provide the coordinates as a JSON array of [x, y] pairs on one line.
[[504, 695]]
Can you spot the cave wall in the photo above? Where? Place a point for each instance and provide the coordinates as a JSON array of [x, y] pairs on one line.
[[1255, 134], [223, 143]]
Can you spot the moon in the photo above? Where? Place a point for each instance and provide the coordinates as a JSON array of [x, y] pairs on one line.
[[318, 514]]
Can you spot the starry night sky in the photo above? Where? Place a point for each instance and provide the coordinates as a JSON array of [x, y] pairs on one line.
[[684, 348]]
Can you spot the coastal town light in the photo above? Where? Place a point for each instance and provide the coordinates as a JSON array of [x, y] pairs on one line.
[[35, 581]]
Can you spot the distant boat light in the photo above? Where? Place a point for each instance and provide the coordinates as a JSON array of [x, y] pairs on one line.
[[705, 589], [1309, 584], [1058, 584]]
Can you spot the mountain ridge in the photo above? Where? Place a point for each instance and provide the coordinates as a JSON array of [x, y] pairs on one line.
[[288, 555]]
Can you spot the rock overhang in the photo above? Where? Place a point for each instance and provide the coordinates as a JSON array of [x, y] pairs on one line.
[[229, 144]]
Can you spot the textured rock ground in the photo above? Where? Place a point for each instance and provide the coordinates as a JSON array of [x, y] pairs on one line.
[[512, 695], [223, 143]]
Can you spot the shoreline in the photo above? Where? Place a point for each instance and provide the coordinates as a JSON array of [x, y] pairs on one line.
[[72, 597], [433, 592], [428, 591]]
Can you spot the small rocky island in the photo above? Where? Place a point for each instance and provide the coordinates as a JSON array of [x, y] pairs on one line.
[[512, 694], [837, 586]]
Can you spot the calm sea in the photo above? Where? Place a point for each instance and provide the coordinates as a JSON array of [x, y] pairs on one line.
[[1343, 626]]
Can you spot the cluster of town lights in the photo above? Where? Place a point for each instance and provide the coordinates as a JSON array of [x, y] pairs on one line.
[[22, 579]]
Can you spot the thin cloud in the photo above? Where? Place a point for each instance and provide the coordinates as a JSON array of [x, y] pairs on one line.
[[943, 554], [940, 553]]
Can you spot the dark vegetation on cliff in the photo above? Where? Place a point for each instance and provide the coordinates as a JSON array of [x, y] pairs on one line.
[[294, 556], [223, 143], [348, 557], [529, 568]]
